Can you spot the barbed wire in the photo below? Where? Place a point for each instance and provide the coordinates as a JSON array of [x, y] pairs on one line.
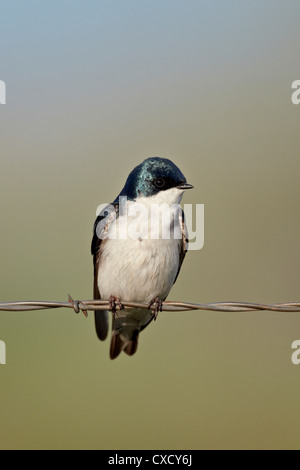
[[167, 306]]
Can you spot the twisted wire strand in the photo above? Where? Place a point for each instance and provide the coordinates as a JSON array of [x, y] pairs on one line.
[[167, 306]]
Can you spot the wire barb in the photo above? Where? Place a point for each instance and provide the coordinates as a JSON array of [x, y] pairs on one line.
[[167, 306], [77, 305]]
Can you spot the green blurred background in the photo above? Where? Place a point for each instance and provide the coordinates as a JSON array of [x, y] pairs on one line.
[[94, 87]]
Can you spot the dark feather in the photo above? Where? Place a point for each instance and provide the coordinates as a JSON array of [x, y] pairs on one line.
[[185, 241], [116, 346], [101, 316], [132, 346]]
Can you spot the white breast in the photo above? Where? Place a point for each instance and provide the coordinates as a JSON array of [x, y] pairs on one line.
[[143, 268]]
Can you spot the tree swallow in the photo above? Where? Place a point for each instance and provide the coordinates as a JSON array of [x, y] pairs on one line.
[[136, 260]]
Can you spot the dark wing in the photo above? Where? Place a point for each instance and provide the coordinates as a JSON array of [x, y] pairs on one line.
[[101, 226], [185, 241]]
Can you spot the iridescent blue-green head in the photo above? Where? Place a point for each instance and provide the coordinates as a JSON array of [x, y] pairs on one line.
[[153, 176]]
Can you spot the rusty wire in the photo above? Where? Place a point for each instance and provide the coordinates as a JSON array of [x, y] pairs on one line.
[[167, 306]]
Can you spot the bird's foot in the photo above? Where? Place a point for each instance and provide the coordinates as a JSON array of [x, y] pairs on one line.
[[155, 306], [115, 304]]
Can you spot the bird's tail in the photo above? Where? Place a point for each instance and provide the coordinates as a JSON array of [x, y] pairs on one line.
[[125, 335]]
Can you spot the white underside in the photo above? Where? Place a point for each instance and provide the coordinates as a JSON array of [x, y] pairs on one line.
[[144, 268]]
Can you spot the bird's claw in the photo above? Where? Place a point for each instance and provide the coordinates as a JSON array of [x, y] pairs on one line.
[[155, 306], [115, 304]]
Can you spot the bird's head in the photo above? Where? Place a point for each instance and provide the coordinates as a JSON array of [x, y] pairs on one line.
[[156, 176]]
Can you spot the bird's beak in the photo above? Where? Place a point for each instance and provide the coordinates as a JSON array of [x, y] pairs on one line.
[[185, 186]]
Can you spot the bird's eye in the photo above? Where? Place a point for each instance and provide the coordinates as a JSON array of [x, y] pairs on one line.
[[159, 182]]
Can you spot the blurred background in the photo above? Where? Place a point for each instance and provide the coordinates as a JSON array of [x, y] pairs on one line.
[[93, 88]]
